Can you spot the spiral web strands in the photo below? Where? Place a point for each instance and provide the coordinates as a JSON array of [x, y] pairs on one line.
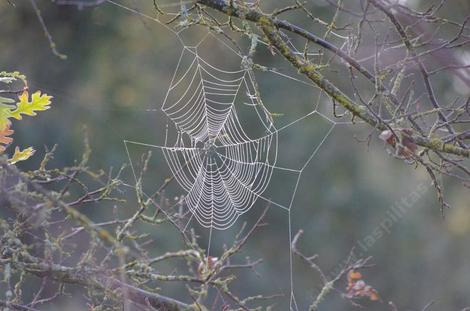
[[221, 168]]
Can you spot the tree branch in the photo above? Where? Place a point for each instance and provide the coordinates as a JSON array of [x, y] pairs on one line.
[[14, 252], [270, 27]]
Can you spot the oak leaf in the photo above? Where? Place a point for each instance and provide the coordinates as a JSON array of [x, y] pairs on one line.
[[39, 102], [5, 138], [21, 155]]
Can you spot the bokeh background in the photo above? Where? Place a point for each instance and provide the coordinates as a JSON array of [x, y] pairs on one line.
[[118, 69]]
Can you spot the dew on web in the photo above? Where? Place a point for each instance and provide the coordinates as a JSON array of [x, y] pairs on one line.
[[228, 152], [222, 167]]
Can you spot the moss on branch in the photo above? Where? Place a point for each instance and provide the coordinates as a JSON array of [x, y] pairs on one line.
[[270, 27]]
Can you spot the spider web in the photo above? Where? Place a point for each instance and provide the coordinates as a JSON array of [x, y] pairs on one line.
[[222, 167]]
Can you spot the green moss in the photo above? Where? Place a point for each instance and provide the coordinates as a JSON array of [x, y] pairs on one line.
[[436, 144], [309, 67], [265, 21]]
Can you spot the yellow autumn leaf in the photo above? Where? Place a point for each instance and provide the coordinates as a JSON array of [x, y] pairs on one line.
[[39, 102], [21, 155]]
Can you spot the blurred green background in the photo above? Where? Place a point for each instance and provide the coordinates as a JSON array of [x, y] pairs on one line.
[[119, 67]]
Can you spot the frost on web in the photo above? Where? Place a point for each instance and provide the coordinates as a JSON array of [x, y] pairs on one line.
[[222, 169], [222, 144]]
